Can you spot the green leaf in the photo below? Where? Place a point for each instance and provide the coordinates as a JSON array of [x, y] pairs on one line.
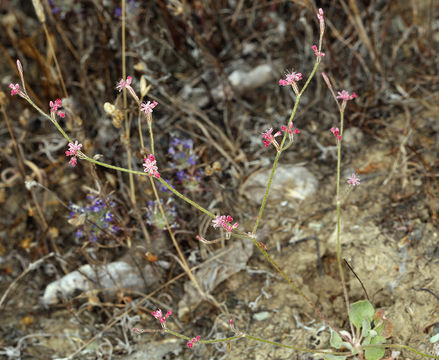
[[336, 341], [374, 353], [378, 340], [361, 310], [365, 328]]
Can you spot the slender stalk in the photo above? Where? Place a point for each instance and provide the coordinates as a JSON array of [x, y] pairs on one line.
[[139, 123], [125, 105], [340, 267], [151, 134], [273, 169]]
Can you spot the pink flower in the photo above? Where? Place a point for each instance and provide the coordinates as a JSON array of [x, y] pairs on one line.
[[194, 340], [73, 151], [147, 107], [124, 84], [73, 161], [290, 129], [354, 180], [54, 106], [74, 148], [336, 133], [224, 221], [15, 89], [159, 315], [269, 138], [317, 52], [344, 95], [150, 166], [290, 78]]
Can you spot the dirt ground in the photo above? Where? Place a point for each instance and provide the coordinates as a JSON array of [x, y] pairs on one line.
[[214, 68]]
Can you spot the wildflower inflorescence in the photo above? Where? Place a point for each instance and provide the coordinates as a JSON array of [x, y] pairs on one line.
[[160, 317], [194, 340], [124, 83], [15, 89], [317, 52], [336, 132], [345, 96], [225, 222], [290, 129], [269, 138], [150, 166], [354, 180], [54, 106], [291, 79], [73, 152], [148, 106]]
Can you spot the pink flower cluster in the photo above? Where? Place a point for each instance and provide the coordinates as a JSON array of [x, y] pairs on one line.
[[289, 129], [344, 95], [54, 106], [269, 138], [354, 180], [159, 315], [225, 221], [150, 166], [290, 79], [73, 152], [124, 83], [147, 107], [15, 89], [317, 52], [336, 132], [193, 341]]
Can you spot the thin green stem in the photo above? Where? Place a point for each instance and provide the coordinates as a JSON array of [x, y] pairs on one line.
[[273, 169], [151, 134], [125, 105], [339, 263]]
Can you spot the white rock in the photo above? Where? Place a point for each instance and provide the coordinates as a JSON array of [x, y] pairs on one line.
[[111, 276], [289, 182]]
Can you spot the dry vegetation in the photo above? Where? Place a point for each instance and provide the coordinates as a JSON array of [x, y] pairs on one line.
[[386, 51]]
